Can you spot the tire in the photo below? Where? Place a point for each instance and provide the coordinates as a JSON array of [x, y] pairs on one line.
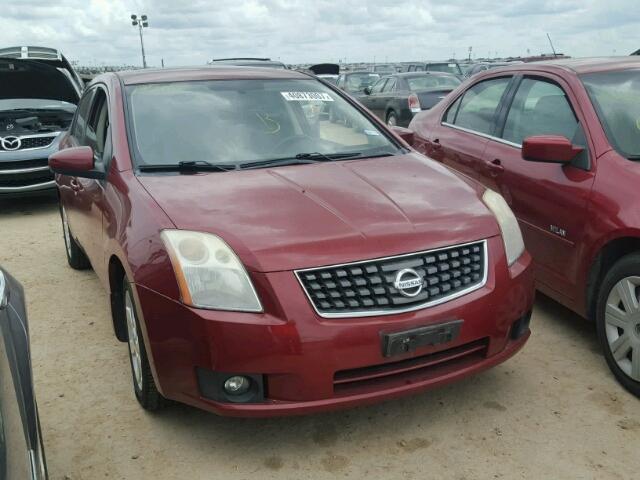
[[144, 385], [392, 119], [76, 258], [619, 332]]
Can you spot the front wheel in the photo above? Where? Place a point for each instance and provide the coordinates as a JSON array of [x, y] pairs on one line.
[[143, 384], [618, 321]]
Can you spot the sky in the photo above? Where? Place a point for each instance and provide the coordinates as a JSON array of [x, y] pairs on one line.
[[97, 32]]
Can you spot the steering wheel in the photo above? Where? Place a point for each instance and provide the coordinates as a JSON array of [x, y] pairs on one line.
[[293, 139]]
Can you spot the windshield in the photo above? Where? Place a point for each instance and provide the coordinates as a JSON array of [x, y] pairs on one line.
[[444, 67], [616, 98], [236, 122], [427, 82], [357, 82]]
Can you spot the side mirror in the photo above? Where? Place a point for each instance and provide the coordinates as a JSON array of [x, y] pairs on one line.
[[404, 133], [549, 149], [367, 90], [75, 162]]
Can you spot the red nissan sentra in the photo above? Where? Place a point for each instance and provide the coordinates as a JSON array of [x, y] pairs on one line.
[[264, 260]]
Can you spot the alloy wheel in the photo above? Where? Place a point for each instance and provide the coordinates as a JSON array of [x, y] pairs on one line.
[[134, 340], [392, 121], [622, 325]]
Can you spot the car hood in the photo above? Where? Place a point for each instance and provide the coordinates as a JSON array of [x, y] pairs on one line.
[[328, 213], [30, 79]]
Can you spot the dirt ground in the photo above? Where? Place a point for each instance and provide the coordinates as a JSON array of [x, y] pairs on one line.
[[551, 412]]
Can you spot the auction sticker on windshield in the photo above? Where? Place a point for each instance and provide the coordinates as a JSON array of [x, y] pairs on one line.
[[306, 96]]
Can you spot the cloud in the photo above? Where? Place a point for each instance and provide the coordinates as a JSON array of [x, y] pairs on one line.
[[296, 31]]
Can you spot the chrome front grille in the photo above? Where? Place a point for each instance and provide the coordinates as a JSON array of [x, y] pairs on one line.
[[370, 287], [11, 143]]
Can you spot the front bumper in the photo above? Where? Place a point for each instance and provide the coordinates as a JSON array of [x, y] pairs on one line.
[[312, 364]]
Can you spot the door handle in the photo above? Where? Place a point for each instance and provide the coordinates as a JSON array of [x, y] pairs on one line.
[[435, 144], [495, 167], [75, 186]]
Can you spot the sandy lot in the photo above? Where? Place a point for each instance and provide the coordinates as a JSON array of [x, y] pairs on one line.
[[552, 412]]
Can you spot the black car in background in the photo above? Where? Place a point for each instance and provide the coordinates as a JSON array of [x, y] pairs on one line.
[[249, 62], [354, 83], [450, 66], [395, 99], [39, 91], [21, 450]]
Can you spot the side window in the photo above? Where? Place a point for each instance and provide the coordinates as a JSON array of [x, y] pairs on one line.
[[379, 85], [82, 113], [450, 116], [389, 86], [98, 124], [479, 104], [540, 108], [341, 81]]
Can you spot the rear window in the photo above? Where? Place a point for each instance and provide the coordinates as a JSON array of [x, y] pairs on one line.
[[426, 82], [242, 121]]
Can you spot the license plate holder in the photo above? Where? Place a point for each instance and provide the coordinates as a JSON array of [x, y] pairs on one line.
[[407, 341]]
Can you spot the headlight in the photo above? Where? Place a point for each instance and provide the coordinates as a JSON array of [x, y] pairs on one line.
[[511, 234], [209, 273]]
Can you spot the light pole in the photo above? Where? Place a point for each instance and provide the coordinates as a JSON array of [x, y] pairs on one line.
[[140, 23]]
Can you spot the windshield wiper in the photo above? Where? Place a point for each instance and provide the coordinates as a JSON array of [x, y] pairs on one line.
[[188, 166], [298, 159]]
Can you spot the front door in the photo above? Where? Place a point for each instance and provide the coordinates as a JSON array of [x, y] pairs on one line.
[[550, 200]]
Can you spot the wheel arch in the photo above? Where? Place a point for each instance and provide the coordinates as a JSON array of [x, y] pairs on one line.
[[606, 255]]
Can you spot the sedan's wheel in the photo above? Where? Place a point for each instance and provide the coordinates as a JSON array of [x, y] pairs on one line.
[[143, 384], [75, 256], [392, 120], [618, 321]]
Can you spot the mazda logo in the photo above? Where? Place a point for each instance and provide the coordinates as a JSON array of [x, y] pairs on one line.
[[408, 282], [10, 143]]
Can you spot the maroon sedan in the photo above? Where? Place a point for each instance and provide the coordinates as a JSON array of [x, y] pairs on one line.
[[262, 260], [561, 142]]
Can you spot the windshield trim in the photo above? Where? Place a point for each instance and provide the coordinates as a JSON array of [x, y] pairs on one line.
[[128, 115]]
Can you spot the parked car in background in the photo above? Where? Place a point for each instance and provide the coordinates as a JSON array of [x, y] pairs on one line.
[[447, 67], [290, 264], [248, 62], [326, 71], [38, 98], [383, 68], [561, 141], [484, 66], [21, 449], [354, 83], [397, 98]]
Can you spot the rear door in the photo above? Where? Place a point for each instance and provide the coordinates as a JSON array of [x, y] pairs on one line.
[[372, 101], [460, 139], [550, 200]]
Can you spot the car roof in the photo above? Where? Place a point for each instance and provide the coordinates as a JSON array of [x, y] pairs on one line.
[[134, 77], [422, 74], [578, 66]]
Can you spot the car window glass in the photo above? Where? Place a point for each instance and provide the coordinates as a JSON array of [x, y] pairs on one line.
[[82, 113], [357, 82], [539, 108], [377, 88], [428, 81], [96, 133], [389, 86], [450, 116], [478, 105]]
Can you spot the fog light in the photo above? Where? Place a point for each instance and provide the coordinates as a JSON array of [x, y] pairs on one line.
[[237, 385]]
